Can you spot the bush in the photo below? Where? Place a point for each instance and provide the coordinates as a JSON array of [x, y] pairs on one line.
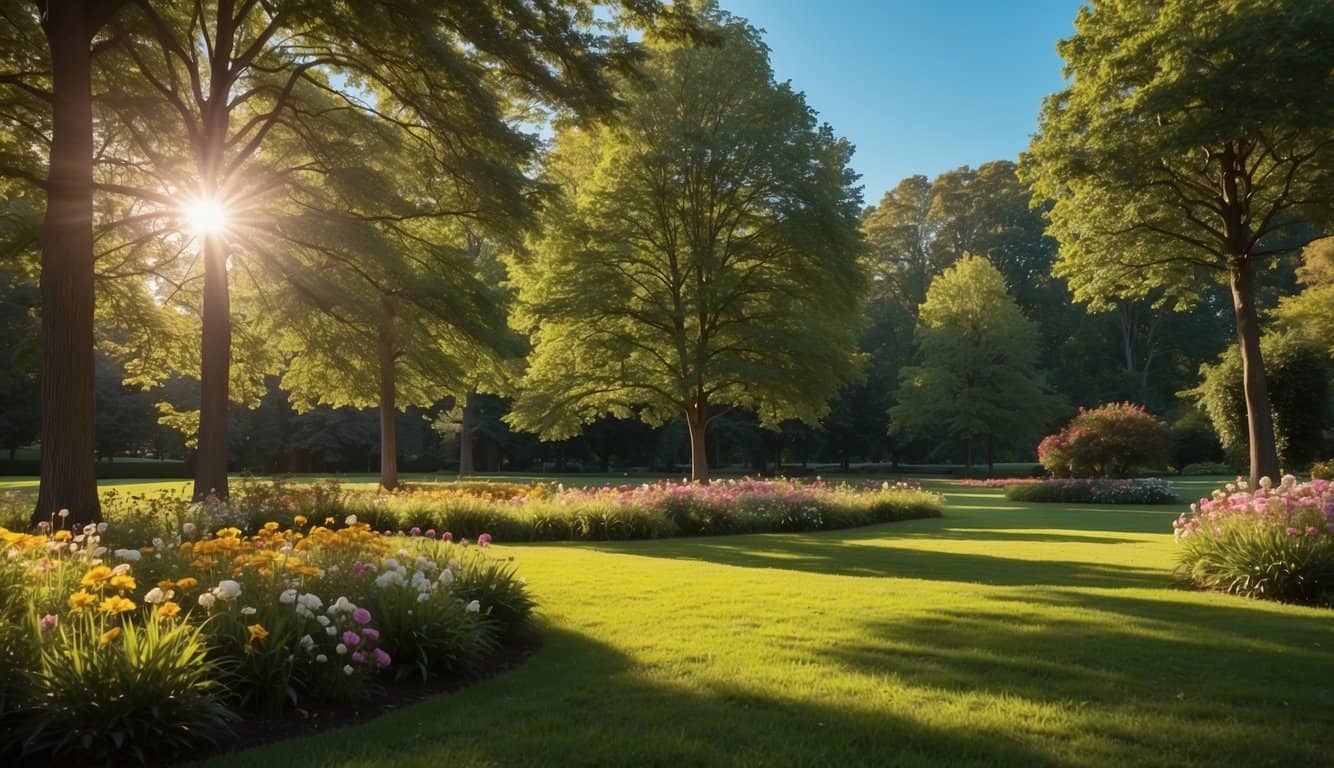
[[1298, 378], [1275, 543], [1194, 440], [1097, 491], [1323, 470], [1106, 441], [1207, 468]]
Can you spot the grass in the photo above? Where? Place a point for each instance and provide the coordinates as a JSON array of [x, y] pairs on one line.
[[1001, 634]]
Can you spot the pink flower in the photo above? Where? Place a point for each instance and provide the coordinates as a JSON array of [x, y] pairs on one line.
[[447, 536], [370, 633], [484, 540], [381, 657], [358, 657], [415, 531], [361, 616], [49, 622], [430, 533], [351, 638]]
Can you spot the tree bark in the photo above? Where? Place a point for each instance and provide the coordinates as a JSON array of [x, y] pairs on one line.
[[697, 419], [215, 364], [991, 445], [388, 402], [1259, 422], [68, 472], [466, 427]]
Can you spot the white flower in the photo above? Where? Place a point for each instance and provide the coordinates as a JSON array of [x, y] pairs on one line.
[[62, 514], [473, 607], [188, 529], [446, 576], [89, 529], [350, 520], [101, 527], [157, 542], [227, 589], [206, 601], [131, 555], [307, 642], [347, 669], [420, 582], [323, 620], [121, 569], [311, 601], [288, 597], [423, 597], [341, 649], [321, 658], [342, 605], [331, 631], [99, 551], [154, 596], [392, 565], [389, 577], [247, 611]]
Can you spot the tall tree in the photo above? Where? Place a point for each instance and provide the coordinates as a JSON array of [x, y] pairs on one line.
[[977, 377], [1310, 313], [1194, 140], [54, 110], [705, 257]]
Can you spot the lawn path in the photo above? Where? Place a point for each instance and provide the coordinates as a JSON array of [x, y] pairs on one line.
[[1000, 634]]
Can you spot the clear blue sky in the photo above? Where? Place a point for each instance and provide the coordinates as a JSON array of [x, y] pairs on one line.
[[919, 86]]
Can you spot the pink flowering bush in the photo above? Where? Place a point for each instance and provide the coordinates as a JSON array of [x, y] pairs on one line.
[[1107, 441], [1272, 542]]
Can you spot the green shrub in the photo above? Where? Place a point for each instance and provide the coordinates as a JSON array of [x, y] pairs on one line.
[[1096, 491], [1207, 468], [1323, 470], [1275, 543]]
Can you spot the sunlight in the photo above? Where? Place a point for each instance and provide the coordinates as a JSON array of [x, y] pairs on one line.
[[205, 217]]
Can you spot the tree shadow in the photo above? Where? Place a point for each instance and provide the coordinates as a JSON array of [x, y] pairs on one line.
[[869, 553]]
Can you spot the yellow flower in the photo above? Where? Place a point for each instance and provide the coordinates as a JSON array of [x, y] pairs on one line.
[[166, 584], [80, 600], [110, 634], [97, 576], [63, 535], [188, 582], [167, 610], [123, 582], [116, 604], [271, 526], [257, 632], [299, 520]]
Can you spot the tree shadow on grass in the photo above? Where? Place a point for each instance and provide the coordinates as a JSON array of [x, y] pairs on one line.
[[874, 555], [583, 703]]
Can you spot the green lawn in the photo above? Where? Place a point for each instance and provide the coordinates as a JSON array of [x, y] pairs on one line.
[[1001, 634]]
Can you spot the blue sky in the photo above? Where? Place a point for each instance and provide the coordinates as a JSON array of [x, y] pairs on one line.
[[919, 86]]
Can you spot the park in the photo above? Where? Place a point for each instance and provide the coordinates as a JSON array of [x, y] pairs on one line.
[[570, 383]]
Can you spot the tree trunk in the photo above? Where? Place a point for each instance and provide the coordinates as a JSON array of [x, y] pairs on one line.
[[68, 472], [968, 459], [697, 419], [388, 404], [1259, 422], [991, 464], [215, 364], [466, 427]]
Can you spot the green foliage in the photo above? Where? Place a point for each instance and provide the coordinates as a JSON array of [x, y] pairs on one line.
[[1323, 470], [1108, 441], [494, 584], [1140, 491], [977, 376], [1194, 440], [1207, 468], [436, 636], [746, 293], [1310, 314], [151, 691], [1298, 377]]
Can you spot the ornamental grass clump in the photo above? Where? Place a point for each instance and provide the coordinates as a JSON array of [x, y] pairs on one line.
[[1271, 542], [151, 651]]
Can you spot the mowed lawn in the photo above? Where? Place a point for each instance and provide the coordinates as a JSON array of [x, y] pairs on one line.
[[1001, 634]]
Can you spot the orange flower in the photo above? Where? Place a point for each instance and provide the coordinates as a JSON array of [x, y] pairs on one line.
[[97, 576], [189, 582], [109, 635], [165, 584], [257, 632], [80, 600], [116, 604], [167, 610]]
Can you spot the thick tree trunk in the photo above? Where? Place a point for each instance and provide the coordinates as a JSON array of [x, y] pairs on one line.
[[68, 472], [388, 403], [215, 364], [697, 419], [466, 427], [1259, 422], [991, 464]]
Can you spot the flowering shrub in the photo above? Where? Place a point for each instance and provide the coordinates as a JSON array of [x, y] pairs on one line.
[[1270, 542], [997, 482], [1096, 491], [161, 646], [1107, 441], [1323, 470]]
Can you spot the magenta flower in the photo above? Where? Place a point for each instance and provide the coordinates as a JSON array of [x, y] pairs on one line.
[[381, 657], [430, 533], [447, 536], [351, 639], [370, 633], [49, 622], [361, 616], [358, 657], [415, 531], [484, 540], [44, 526]]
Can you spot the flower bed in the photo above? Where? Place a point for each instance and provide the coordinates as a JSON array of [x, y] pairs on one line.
[[152, 651], [555, 513], [1270, 542], [998, 482], [1138, 491]]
